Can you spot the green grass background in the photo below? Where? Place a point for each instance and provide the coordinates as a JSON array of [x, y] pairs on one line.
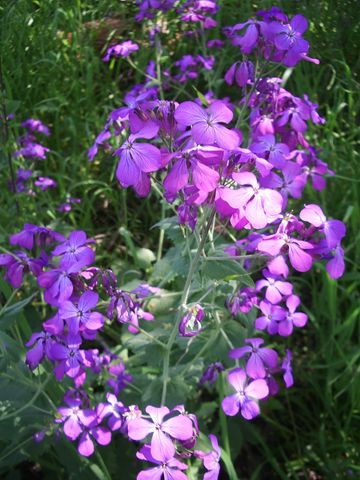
[[52, 69]]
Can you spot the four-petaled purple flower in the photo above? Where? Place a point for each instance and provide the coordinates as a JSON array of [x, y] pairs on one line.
[[123, 49], [81, 315], [206, 124], [75, 251], [163, 431], [246, 396], [259, 358], [168, 467]]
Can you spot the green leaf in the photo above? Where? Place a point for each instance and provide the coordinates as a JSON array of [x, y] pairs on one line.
[[226, 270], [171, 265]]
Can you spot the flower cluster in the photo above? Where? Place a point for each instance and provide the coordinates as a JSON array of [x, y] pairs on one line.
[[219, 163]]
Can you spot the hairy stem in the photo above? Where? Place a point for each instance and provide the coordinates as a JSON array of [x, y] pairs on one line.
[[183, 301]]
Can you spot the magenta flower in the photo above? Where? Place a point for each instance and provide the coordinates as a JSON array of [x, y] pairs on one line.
[[162, 446], [292, 318], [123, 49], [334, 230], [243, 301], [168, 467], [206, 124], [275, 288], [81, 315], [259, 358], [75, 251], [244, 400]]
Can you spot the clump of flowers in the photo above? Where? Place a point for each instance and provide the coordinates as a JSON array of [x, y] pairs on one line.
[[218, 163]]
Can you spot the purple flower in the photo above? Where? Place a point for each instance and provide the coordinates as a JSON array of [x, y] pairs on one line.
[[190, 324], [299, 258], [32, 150], [248, 41], [272, 314], [169, 468], [179, 427], [244, 400], [123, 49], [70, 357], [259, 357], [286, 366], [211, 459], [288, 38], [114, 410], [43, 343], [121, 379], [72, 417], [137, 159], [18, 264], [35, 235], [44, 183], [58, 284], [274, 152], [275, 288], [292, 318], [204, 177], [211, 373], [37, 126], [22, 177], [81, 315], [67, 206], [92, 430], [99, 141], [206, 124], [334, 230], [258, 204], [242, 73], [243, 301], [75, 251], [336, 266]]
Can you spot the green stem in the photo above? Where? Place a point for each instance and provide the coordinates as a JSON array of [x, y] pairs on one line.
[[182, 307], [226, 453], [103, 465], [30, 402]]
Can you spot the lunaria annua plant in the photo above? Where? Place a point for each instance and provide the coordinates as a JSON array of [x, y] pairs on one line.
[[229, 170]]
